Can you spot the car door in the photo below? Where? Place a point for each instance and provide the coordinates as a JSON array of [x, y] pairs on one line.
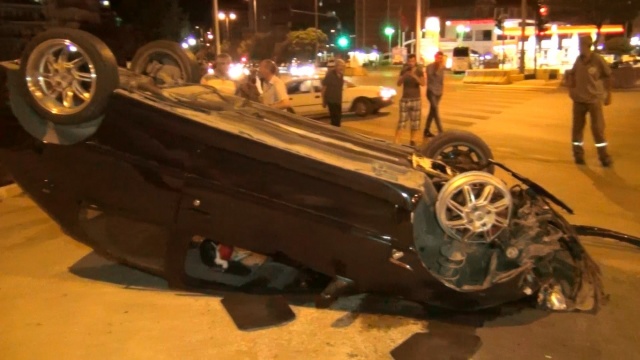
[[317, 90], [349, 94], [304, 100]]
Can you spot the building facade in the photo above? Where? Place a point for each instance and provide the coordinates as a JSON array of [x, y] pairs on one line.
[[372, 16]]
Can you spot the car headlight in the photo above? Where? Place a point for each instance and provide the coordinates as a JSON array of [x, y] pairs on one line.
[[387, 93]]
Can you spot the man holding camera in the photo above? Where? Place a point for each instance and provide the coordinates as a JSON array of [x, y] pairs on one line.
[[411, 78]]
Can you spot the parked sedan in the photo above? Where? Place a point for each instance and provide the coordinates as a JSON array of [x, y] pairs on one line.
[[305, 95]]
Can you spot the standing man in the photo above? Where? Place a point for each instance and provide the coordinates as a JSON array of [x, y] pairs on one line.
[[220, 78], [411, 78], [590, 87], [274, 92], [332, 86], [435, 86]]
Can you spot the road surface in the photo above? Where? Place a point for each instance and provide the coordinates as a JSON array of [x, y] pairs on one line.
[[58, 300]]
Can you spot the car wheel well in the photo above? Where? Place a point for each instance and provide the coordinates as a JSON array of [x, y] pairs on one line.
[[362, 106]]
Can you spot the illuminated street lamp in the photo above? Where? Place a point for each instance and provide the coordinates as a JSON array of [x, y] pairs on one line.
[[389, 31], [222, 16]]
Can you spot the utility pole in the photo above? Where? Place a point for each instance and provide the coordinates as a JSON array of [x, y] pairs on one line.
[[216, 25], [255, 17], [316, 11], [523, 27], [315, 55], [364, 23], [418, 28]]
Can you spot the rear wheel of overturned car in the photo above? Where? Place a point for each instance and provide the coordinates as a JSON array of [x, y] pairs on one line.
[[461, 150], [69, 76], [167, 63], [362, 107]]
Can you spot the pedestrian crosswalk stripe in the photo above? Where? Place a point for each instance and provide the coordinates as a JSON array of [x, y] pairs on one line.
[[465, 115]]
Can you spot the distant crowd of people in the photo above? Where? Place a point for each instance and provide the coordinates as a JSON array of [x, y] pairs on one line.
[[262, 86], [589, 85]]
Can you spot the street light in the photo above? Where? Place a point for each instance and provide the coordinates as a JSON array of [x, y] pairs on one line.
[[222, 16], [389, 31]]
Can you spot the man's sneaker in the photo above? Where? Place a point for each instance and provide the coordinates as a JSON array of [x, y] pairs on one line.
[[579, 160], [428, 134]]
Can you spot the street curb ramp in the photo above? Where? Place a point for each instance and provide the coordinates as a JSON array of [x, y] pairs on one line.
[[9, 191], [493, 77]]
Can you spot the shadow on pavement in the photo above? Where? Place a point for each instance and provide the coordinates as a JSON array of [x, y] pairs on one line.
[[448, 334], [94, 267], [616, 189], [354, 117]]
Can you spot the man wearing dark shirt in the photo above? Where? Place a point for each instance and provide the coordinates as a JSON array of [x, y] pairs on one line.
[[411, 78], [332, 85], [590, 87]]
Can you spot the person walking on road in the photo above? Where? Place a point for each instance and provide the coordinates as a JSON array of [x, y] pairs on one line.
[[411, 78], [435, 86], [590, 88], [274, 92], [332, 85]]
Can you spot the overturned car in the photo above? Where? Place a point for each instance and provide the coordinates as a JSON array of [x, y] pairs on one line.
[[202, 188]]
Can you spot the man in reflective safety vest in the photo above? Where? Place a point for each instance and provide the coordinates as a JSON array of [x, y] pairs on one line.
[[589, 87]]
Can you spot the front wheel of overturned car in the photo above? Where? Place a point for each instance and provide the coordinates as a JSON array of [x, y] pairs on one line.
[[69, 76], [461, 150]]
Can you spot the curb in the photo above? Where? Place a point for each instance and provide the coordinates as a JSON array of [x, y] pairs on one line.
[[9, 191]]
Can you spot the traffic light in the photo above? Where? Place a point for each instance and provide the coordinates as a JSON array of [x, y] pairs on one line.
[[542, 14], [343, 42], [389, 31]]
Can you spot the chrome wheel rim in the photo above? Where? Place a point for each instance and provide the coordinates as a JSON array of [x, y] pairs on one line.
[[474, 207], [61, 77]]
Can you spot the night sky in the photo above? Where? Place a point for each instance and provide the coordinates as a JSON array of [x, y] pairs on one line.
[[200, 10]]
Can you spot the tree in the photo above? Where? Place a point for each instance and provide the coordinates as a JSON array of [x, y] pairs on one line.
[[304, 43], [259, 46]]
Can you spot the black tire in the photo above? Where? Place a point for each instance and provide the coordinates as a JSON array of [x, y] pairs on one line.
[[39, 128], [362, 107], [167, 52], [461, 150], [104, 82]]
